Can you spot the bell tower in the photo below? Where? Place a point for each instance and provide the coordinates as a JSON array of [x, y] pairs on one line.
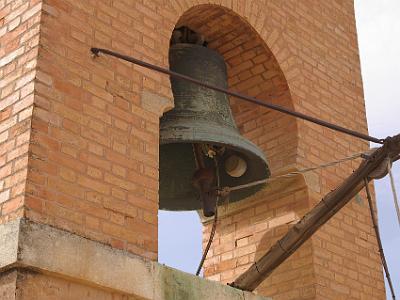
[[92, 147]]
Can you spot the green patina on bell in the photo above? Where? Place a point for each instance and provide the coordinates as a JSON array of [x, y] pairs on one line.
[[202, 117]]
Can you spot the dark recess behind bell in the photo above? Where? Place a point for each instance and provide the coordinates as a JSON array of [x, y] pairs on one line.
[[184, 35], [200, 116]]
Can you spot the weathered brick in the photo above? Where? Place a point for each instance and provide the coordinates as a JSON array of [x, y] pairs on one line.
[[32, 11], [4, 196], [11, 56], [94, 185]]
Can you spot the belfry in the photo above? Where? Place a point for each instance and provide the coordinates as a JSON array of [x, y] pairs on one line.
[[93, 145]]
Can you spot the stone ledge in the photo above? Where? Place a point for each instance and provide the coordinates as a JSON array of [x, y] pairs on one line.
[[24, 244], [9, 236]]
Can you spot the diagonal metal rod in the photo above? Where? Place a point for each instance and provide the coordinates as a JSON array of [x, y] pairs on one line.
[[279, 108]]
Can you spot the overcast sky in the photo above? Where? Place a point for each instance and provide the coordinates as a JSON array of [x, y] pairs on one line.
[[378, 24]]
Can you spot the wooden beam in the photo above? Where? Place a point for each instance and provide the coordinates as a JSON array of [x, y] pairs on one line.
[[317, 217]]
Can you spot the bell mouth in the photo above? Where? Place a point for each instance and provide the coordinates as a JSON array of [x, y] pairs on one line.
[[177, 163], [176, 189]]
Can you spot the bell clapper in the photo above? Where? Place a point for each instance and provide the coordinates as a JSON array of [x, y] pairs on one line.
[[198, 156], [204, 179]]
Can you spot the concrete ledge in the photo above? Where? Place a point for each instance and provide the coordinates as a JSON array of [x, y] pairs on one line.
[[9, 236], [46, 249]]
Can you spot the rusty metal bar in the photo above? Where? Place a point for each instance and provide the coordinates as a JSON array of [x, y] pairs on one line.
[[253, 100]]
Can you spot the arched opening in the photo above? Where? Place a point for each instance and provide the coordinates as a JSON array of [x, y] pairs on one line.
[[254, 71]]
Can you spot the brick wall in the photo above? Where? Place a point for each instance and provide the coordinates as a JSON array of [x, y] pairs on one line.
[[45, 287], [247, 231], [32, 285], [94, 168], [19, 41], [92, 136]]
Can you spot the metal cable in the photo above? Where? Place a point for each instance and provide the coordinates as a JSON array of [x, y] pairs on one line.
[[214, 226], [253, 100], [378, 237], [395, 199], [295, 173]]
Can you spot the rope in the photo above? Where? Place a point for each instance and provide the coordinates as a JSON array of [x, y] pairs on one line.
[[214, 226], [395, 199], [378, 237], [295, 173]]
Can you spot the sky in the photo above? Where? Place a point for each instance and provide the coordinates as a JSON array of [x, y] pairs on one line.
[[378, 26]]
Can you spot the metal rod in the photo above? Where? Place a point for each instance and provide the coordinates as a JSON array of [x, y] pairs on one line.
[[378, 238], [279, 108]]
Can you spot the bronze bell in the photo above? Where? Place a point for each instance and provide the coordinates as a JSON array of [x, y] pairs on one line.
[[200, 127]]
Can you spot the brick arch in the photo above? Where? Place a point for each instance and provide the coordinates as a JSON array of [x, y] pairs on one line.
[[252, 70], [261, 16]]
